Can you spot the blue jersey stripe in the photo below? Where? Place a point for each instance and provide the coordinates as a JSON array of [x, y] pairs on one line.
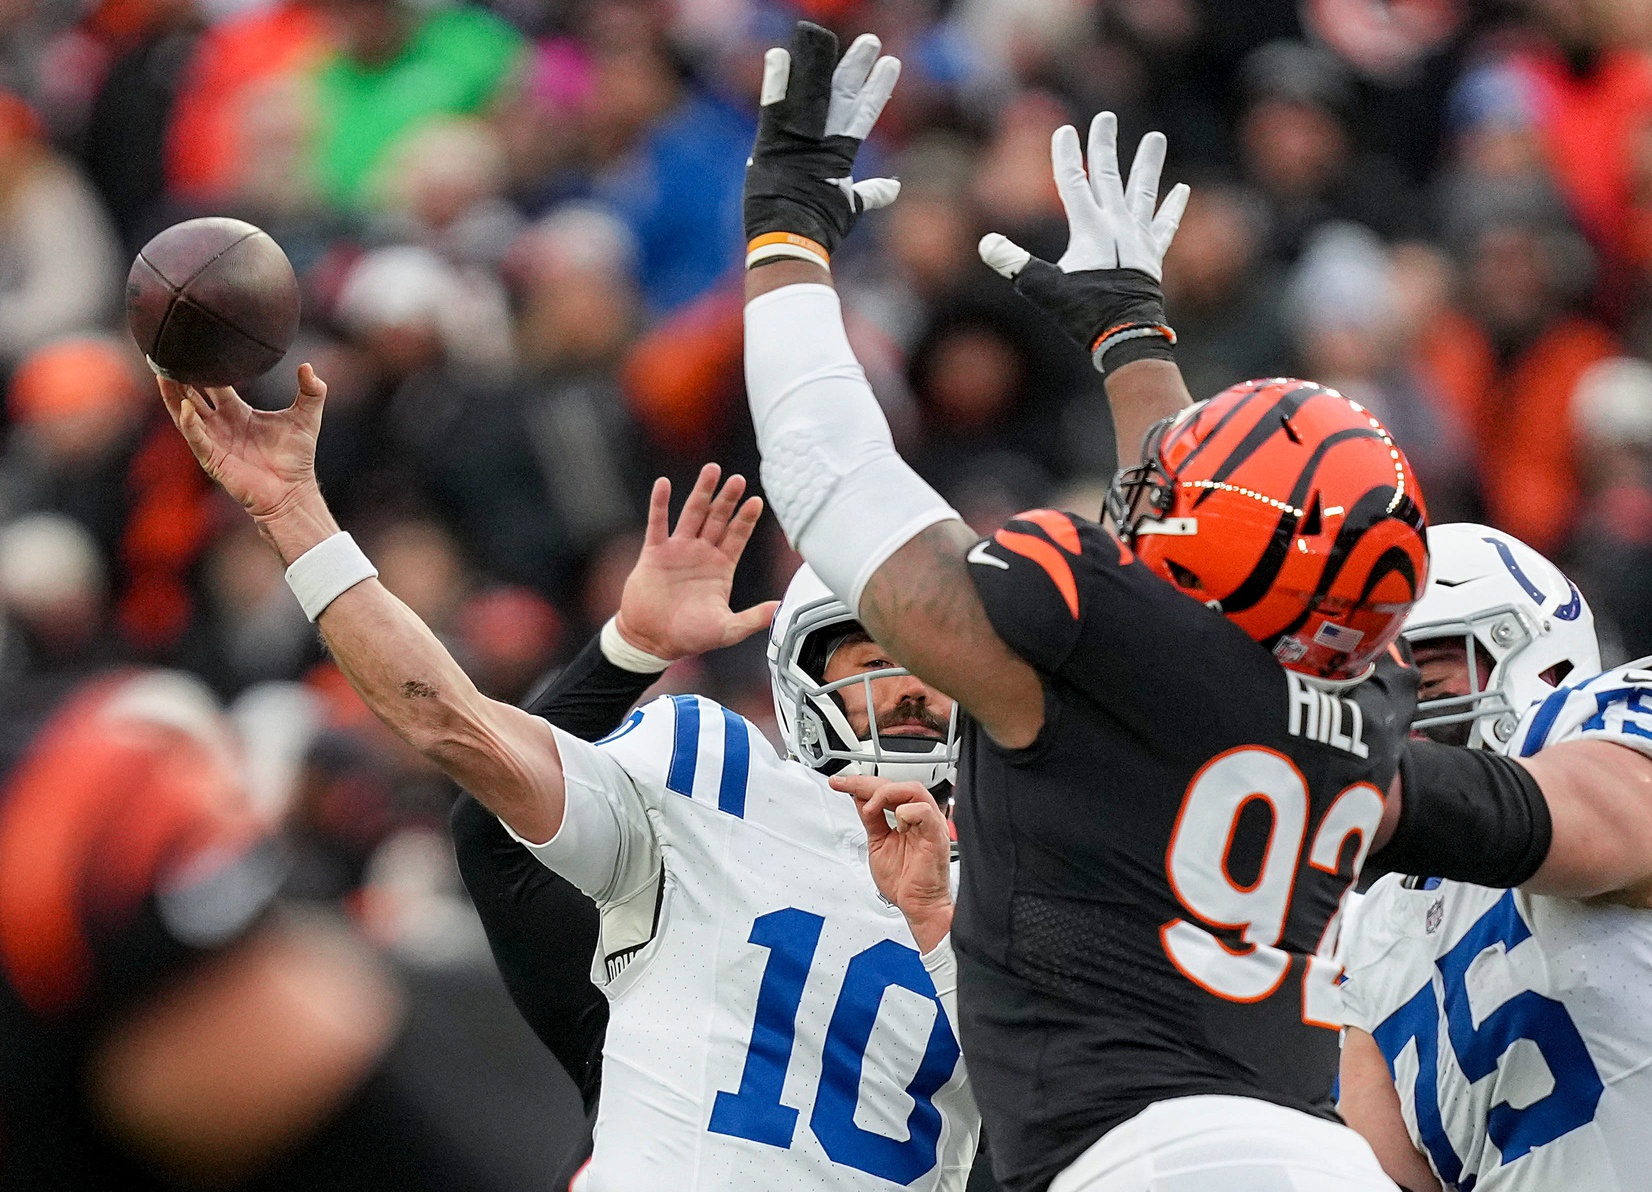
[[1544, 721], [731, 795], [685, 746]]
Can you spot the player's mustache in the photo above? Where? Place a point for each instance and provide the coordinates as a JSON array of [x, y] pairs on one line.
[[913, 711]]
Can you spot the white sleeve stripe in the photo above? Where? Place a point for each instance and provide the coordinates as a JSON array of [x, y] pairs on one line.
[[1547, 713]]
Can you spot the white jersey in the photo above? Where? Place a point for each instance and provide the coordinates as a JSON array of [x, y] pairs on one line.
[[1518, 1027], [772, 1024]]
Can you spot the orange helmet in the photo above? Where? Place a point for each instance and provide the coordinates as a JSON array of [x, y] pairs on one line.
[[1288, 508]]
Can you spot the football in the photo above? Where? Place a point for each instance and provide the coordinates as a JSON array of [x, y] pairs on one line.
[[212, 301]]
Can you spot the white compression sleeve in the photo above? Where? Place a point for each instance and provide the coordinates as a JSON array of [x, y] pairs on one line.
[[845, 498], [942, 966]]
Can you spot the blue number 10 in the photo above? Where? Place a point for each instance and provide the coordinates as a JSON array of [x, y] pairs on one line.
[[754, 1112]]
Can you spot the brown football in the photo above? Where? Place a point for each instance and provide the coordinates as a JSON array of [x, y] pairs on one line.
[[212, 302]]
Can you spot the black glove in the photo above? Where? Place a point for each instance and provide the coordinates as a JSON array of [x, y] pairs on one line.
[[1105, 290], [1091, 302], [800, 200]]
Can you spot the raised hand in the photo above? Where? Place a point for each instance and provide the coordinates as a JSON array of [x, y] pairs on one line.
[[1104, 292], [265, 459], [800, 198], [910, 851], [675, 602], [1111, 224]]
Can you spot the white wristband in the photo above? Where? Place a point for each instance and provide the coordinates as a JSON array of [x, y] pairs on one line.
[[326, 571], [626, 656]]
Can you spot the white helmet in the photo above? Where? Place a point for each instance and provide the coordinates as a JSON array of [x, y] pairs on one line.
[[809, 624], [1488, 587]]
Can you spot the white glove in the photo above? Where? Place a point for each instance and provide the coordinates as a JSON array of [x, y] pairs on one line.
[[1110, 225]]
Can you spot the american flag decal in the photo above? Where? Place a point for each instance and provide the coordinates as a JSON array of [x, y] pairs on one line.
[[1338, 637]]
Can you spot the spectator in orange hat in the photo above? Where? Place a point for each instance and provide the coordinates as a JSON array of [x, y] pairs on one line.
[[74, 399], [59, 269]]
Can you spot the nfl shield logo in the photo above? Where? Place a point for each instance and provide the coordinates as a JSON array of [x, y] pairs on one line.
[[1290, 649], [1436, 912]]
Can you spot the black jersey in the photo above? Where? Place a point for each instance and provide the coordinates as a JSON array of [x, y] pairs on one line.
[[1150, 890]]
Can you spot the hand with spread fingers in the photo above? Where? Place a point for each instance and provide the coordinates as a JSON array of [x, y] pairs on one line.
[[1105, 291], [264, 459], [675, 602], [801, 199]]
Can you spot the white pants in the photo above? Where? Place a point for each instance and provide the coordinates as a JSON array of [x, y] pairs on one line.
[[1225, 1144]]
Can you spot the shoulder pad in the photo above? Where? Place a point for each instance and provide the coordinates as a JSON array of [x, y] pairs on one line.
[[1615, 705], [1035, 577], [690, 746], [1365, 938]]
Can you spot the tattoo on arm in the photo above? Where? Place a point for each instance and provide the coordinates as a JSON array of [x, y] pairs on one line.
[[923, 607]]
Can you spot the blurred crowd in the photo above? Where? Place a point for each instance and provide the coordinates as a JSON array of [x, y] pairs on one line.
[[517, 228]]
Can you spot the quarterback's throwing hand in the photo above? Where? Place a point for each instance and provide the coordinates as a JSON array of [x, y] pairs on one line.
[[265, 459], [676, 598], [801, 198], [910, 851], [1105, 289]]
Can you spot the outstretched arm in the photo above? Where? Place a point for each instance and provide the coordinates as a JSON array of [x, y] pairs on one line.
[[266, 461], [1573, 820], [1142, 393], [1105, 291], [875, 532], [1599, 796], [541, 928], [845, 498]]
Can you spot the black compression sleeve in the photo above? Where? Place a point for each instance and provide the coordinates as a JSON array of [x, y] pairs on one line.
[[1467, 815], [590, 696], [543, 932]]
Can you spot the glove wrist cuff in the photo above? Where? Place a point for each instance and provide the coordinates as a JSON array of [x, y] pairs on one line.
[[1125, 343], [774, 245]]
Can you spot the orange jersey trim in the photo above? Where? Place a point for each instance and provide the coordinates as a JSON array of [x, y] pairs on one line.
[[1053, 562], [1058, 526]]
